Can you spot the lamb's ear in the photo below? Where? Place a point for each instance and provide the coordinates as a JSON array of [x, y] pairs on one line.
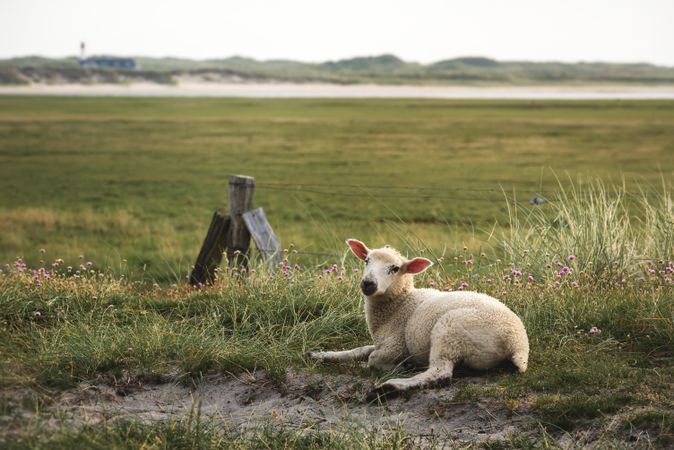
[[358, 248], [417, 265]]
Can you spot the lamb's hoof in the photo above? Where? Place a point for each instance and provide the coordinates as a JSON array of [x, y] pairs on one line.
[[381, 394]]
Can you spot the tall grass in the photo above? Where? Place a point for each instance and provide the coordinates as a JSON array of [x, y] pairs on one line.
[[611, 233]]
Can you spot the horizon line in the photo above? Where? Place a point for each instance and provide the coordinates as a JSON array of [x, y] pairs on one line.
[[221, 58]]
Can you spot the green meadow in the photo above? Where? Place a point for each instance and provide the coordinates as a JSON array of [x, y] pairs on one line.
[[131, 184]]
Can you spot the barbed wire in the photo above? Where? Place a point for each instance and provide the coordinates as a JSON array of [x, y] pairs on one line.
[[377, 195], [316, 188]]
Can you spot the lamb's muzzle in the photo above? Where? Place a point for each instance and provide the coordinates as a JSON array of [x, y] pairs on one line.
[[368, 287], [426, 327]]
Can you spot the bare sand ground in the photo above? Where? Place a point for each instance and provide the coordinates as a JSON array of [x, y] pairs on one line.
[[281, 90], [306, 402]]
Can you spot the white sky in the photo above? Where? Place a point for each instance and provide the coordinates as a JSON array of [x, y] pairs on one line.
[[314, 30]]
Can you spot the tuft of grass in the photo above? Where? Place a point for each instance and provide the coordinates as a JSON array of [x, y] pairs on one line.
[[565, 412], [651, 426], [610, 232]]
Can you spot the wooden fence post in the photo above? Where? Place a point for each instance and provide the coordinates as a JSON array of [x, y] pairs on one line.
[[267, 243], [240, 200], [210, 255]]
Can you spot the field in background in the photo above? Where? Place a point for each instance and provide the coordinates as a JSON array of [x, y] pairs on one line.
[[89, 359], [132, 183]]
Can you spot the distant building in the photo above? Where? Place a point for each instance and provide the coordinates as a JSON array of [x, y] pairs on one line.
[[101, 62], [104, 62]]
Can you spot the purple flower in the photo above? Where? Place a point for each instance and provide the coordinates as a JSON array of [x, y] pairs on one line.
[[574, 284], [468, 262], [81, 256], [595, 330], [340, 278], [463, 285], [572, 257], [356, 270], [530, 278]]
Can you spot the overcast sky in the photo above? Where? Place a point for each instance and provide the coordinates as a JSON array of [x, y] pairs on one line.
[[314, 30]]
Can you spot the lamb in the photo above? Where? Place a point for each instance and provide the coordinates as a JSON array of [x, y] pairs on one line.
[[426, 327]]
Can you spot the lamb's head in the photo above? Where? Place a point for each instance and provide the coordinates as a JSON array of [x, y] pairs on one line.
[[385, 268]]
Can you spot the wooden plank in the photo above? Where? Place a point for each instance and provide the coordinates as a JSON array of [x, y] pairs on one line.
[[240, 200], [212, 249], [265, 240]]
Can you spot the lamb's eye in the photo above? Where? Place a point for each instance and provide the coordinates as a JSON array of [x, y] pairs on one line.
[[367, 261], [393, 269]]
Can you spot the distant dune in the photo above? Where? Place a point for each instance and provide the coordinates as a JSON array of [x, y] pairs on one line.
[[379, 70]]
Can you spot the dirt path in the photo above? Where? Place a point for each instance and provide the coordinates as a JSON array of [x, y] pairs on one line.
[[316, 401]]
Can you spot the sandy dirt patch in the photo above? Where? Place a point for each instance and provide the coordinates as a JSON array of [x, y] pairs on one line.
[[304, 401]]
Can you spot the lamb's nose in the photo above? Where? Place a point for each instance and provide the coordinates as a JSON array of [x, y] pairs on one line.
[[368, 287]]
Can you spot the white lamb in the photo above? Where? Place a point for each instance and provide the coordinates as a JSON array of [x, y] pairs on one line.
[[426, 327]]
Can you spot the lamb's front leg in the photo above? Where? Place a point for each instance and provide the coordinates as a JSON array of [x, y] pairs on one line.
[[357, 354]]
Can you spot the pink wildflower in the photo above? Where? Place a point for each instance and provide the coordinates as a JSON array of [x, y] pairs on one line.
[[595, 330]]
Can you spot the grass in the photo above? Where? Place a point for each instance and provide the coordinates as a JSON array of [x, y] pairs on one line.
[[195, 434], [127, 189], [132, 183]]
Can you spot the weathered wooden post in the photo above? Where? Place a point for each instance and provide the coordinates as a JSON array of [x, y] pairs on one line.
[[240, 200], [266, 241], [212, 249], [232, 232]]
